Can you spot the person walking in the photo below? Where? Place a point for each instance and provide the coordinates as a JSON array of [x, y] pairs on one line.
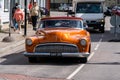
[[30, 5], [14, 23], [34, 13], [19, 17]]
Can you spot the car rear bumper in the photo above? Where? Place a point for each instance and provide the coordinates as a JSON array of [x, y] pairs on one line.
[[86, 54]]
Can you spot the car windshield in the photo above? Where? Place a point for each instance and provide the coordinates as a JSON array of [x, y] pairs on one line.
[[88, 8], [60, 23]]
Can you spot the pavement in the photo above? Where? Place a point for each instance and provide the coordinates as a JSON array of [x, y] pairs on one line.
[[16, 40], [19, 39]]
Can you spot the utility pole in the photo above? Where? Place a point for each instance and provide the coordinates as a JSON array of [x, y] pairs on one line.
[[25, 25]]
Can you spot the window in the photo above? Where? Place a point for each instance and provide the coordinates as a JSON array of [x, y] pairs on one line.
[[6, 6]]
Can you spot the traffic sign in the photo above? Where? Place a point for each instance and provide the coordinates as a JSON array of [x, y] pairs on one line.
[[115, 20]]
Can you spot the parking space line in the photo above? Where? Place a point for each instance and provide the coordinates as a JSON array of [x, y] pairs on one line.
[[81, 66], [98, 44]]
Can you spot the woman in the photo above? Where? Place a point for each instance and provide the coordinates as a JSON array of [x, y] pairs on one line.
[[19, 17]]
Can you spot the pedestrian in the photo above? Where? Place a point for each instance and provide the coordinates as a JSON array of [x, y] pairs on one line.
[[19, 17], [30, 5], [14, 23], [34, 12]]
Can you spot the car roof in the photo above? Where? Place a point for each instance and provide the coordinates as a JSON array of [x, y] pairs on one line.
[[65, 18]]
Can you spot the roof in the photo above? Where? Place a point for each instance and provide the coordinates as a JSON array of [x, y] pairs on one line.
[[70, 18], [89, 0]]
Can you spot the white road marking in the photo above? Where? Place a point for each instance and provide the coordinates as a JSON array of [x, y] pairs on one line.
[[81, 66], [2, 60], [76, 71], [98, 44], [91, 55]]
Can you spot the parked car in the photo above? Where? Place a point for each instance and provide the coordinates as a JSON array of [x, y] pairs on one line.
[[59, 37]]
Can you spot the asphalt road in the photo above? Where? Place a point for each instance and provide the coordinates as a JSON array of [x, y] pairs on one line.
[[103, 63]]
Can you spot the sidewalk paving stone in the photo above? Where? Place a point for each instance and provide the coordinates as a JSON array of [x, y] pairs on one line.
[[18, 38]]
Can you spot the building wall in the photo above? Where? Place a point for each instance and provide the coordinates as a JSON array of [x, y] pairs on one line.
[[111, 3], [4, 12], [55, 4]]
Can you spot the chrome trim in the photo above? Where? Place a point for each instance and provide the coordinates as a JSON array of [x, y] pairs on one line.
[[84, 54], [56, 44], [56, 48]]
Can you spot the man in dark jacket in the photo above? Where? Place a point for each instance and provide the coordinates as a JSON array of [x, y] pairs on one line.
[[15, 26], [14, 8]]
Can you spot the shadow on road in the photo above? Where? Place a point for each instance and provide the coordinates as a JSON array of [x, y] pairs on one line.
[[20, 59], [105, 63], [106, 37]]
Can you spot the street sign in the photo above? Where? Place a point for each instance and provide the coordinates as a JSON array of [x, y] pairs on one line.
[[115, 21], [113, 29]]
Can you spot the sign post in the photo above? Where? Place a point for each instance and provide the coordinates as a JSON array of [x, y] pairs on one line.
[[115, 22]]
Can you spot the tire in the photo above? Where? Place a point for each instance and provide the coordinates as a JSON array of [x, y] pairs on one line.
[[83, 60], [32, 59], [102, 30]]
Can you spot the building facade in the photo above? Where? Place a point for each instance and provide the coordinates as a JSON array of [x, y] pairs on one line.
[[6, 7], [4, 10], [111, 3], [52, 4]]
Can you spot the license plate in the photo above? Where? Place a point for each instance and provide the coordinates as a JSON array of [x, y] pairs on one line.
[[56, 54]]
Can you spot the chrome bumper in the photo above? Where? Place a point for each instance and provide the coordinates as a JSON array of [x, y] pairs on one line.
[[57, 54]]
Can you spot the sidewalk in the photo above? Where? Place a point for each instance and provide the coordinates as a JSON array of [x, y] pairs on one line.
[[18, 38]]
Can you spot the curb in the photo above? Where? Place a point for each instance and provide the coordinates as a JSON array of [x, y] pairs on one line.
[[12, 46]]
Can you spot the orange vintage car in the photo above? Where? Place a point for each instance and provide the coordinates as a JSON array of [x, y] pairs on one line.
[[59, 37]]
